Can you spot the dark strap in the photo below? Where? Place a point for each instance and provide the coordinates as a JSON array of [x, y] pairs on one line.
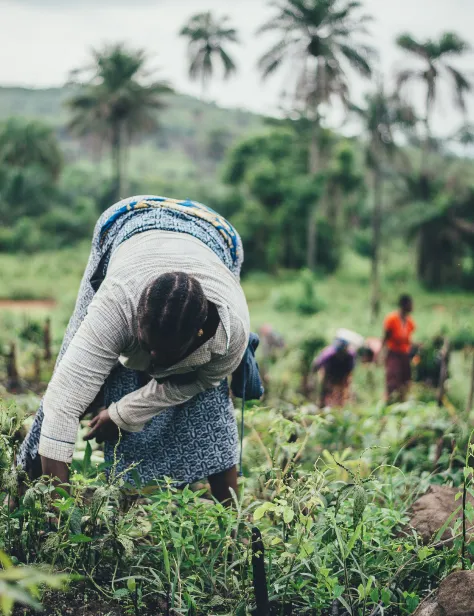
[[242, 424], [247, 385]]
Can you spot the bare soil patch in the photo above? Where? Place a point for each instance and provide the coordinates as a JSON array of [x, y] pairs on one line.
[[26, 305]]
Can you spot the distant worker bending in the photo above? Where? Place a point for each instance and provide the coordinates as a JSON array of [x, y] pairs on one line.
[[398, 330], [337, 363]]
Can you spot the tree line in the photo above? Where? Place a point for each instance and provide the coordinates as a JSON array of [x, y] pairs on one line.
[[299, 191]]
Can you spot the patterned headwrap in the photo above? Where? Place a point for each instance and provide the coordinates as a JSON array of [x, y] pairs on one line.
[[189, 208]]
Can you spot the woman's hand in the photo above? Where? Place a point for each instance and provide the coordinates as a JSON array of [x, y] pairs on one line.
[[102, 428], [55, 469]]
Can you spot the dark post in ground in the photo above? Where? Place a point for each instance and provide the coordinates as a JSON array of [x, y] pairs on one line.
[[13, 378], [259, 575], [443, 371], [47, 340]]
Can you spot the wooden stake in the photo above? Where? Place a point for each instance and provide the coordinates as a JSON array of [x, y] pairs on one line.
[[47, 340], [37, 367], [259, 574], [470, 399], [13, 378], [443, 371]]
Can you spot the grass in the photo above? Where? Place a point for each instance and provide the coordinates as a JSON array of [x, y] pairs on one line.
[[346, 295], [330, 491], [345, 298], [334, 523]]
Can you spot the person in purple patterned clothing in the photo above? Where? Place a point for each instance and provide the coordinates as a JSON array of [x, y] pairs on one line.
[[337, 362]]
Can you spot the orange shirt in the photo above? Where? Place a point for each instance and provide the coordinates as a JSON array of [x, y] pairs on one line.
[[400, 332]]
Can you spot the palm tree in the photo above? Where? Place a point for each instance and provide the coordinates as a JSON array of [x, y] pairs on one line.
[[207, 38], [435, 56], [318, 41], [381, 115], [438, 214], [117, 101]]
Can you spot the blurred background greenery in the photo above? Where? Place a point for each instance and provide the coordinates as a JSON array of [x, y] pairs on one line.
[[337, 218]]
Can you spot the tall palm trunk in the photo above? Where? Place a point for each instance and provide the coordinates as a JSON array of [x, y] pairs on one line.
[[376, 241], [117, 160], [312, 232], [426, 145]]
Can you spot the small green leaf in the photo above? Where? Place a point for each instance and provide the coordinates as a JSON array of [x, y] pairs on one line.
[[6, 604], [62, 492], [469, 512], [374, 595], [80, 539], [75, 521], [166, 560], [132, 584], [5, 561], [368, 586], [288, 515], [412, 602], [424, 552], [86, 463], [386, 597], [353, 539], [338, 590], [262, 510]]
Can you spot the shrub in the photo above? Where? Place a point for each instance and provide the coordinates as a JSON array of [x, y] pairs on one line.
[[362, 242], [303, 299], [462, 338]]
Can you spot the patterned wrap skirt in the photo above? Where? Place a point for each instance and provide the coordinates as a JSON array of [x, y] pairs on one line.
[[186, 442], [336, 393], [397, 373]]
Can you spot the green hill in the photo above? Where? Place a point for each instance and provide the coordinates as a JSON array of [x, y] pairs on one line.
[[193, 134]]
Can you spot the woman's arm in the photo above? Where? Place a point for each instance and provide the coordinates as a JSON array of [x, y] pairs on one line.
[[91, 355], [133, 411], [321, 360]]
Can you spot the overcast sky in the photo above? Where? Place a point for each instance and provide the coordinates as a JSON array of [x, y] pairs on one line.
[[42, 40]]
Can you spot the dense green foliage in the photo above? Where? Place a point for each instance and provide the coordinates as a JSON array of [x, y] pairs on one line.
[[322, 489], [175, 546], [321, 523]]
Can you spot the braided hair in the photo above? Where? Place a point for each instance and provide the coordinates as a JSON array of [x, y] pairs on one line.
[[171, 311]]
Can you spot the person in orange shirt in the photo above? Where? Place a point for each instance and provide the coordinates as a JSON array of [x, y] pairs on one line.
[[398, 330]]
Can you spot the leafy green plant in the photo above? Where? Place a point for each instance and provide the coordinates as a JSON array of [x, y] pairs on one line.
[[23, 585]]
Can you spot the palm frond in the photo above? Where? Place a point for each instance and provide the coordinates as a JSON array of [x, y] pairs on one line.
[[360, 59], [452, 44], [274, 58], [228, 63], [196, 64], [230, 35], [461, 87], [408, 43]]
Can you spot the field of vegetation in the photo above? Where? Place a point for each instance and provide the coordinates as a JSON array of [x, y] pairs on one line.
[[366, 510], [330, 491]]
